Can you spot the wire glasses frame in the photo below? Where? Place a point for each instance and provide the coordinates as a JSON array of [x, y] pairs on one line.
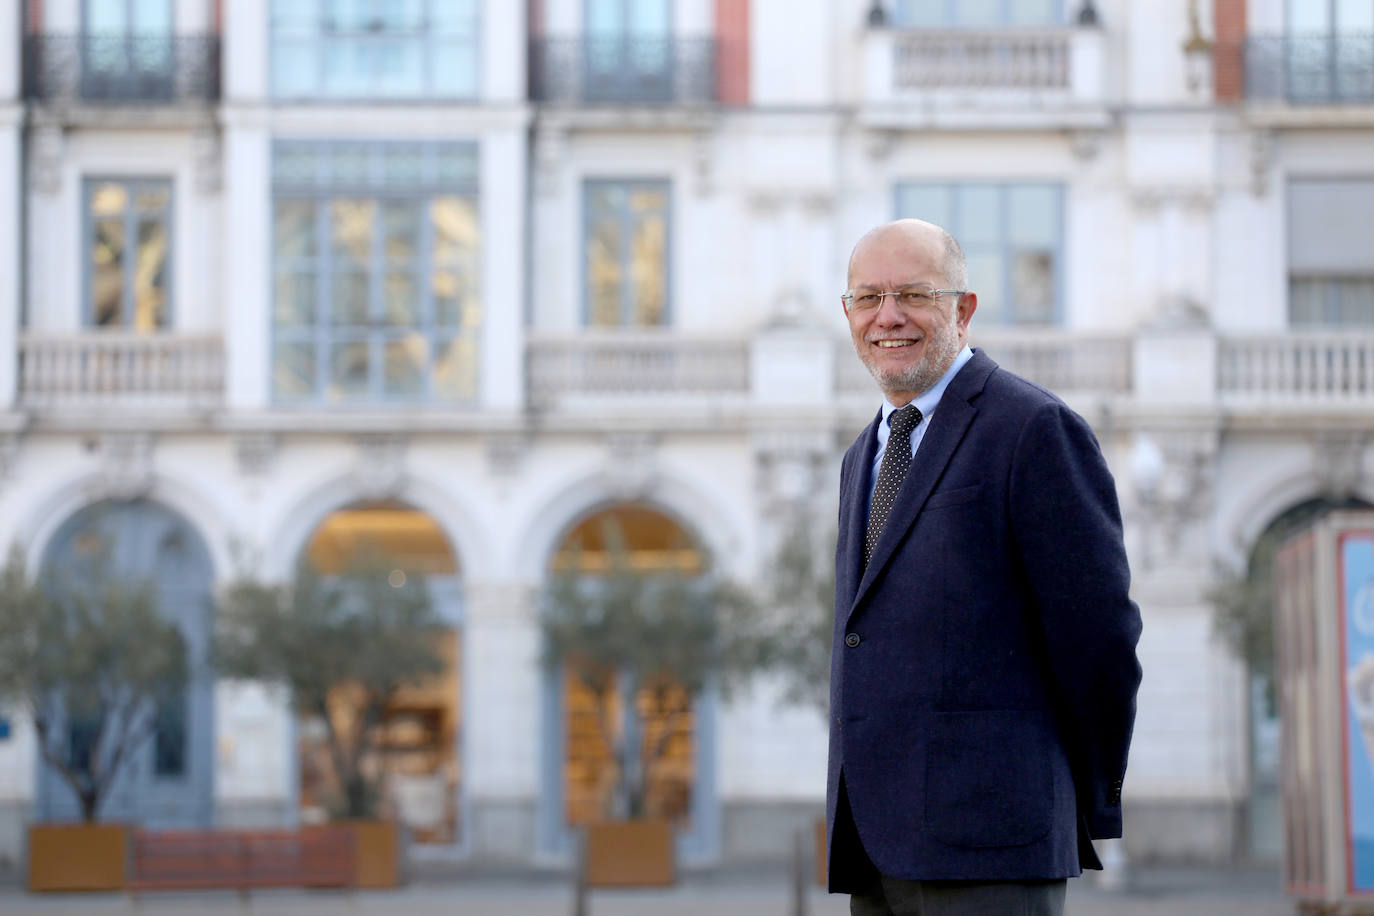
[[911, 298]]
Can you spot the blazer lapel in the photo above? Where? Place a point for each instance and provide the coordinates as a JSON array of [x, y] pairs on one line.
[[952, 419], [855, 521]]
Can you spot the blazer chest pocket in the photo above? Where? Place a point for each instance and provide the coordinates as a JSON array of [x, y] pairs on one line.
[[955, 497]]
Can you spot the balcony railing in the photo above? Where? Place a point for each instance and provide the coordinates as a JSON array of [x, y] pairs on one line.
[[1293, 369], [614, 366], [1056, 66], [122, 69], [99, 369], [623, 70], [1060, 360], [1311, 69]]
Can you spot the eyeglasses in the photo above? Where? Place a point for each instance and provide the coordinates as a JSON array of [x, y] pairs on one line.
[[909, 298]]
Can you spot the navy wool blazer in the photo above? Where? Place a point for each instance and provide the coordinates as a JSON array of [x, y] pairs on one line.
[[984, 672]]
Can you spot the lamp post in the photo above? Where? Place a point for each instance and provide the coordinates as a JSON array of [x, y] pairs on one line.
[[1197, 53]]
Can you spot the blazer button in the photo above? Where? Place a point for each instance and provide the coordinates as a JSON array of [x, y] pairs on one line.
[[852, 640]]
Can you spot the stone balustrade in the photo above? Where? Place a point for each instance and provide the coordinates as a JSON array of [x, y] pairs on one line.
[[103, 369], [1296, 369]]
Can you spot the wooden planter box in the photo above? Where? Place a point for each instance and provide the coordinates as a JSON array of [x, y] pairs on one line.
[[376, 851], [822, 853], [640, 853], [77, 857]]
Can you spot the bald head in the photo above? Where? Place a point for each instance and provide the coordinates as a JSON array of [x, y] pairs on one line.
[[938, 243]]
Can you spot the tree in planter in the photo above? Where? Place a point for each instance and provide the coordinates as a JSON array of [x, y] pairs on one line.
[[343, 646], [93, 661], [658, 635], [802, 599]]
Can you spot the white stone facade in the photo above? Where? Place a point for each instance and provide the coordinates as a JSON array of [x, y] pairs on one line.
[[1171, 334]]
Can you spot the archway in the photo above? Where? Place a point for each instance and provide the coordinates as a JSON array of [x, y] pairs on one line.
[[599, 730], [1245, 608], [167, 782], [417, 740]]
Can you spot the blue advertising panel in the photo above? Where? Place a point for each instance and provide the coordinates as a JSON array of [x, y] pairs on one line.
[[1357, 602]]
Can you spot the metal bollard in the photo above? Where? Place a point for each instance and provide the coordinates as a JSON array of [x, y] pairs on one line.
[[799, 873]]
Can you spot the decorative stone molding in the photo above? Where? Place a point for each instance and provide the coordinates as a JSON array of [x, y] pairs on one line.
[[255, 452], [9, 454], [790, 470], [703, 162], [1261, 160], [380, 472], [1172, 473], [45, 159], [881, 143], [209, 160], [1087, 143], [506, 451], [632, 464], [1338, 460], [126, 466], [765, 204], [818, 204], [550, 157]]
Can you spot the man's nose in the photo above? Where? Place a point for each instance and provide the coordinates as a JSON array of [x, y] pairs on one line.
[[889, 312]]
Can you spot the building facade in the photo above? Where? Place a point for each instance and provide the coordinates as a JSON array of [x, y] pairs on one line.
[[471, 275]]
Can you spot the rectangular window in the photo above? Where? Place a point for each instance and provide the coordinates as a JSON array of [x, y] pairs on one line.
[[128, 253], [625, 252], [376, 285], [936, 14], [1013, 238], [1330, 271], [369, 49]]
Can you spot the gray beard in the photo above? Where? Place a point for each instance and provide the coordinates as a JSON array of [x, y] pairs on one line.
[[939, 356]]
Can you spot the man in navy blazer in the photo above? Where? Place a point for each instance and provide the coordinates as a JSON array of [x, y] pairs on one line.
[[984, 673]]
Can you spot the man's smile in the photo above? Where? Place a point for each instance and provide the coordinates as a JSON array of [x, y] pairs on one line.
[[889, 344]]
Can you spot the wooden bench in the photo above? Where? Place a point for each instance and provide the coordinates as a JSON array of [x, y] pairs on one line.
[[241, 859]]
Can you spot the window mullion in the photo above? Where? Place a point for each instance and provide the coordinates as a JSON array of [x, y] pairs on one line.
[[128, 267], [324, 319], [422, 267], [626, 256], [377, 324]]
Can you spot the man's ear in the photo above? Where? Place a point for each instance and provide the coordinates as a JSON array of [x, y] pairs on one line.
[[964, 309]]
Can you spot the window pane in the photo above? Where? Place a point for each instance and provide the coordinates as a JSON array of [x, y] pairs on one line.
[[293, 370], [605, 16], [152, 198], [295, 16], [1033, 12], [1032, 278], [453, 16], [1355, 302], [351, 222], [604, 275], [924, 201], [402, 299], [401, 230], [295, 229], [985, 279], [455, 67], [350, 165], [151, 17], [404, 167], [444, 287], [979, 215], [109, 199], [169, 738], [150, 290], [405, 366], [350, 299], [1354, 16], [1307, 302], [455, 369], [455, 229], [107, 273], [348, 375], [921, 12], [648, 268], [295, 300], [1034, 215], [979, 12]]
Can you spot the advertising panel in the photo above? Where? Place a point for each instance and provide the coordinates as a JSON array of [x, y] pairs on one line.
[[1356, 586]]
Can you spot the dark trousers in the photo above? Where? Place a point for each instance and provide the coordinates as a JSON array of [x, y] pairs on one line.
[[874, 894]]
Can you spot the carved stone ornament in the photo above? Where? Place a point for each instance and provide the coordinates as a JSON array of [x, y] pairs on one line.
[[1338, 459], [255, 452], [789, 470], [45, 159], [1173, 475], [703, 162], [506, 451], [550, 158], [380, 472], [1261, 159], [631, 466], [1087, 143], [209, 160], [126, 466]]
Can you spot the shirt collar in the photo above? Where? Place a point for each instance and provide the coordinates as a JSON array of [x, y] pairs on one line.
[[927, 401]]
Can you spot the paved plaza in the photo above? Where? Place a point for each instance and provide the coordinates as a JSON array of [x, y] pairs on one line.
[[1149, 892]]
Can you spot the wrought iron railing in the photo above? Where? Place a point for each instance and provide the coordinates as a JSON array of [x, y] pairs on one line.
[[623, 69], [635, 364], [122, 69], [1322, 68], [100, 369], [978, 59]]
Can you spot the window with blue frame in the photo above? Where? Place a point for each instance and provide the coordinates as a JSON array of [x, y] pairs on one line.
[[371, 49], [625, 252], [934, 14], [1013, 237], [128, 253], [376, 251]]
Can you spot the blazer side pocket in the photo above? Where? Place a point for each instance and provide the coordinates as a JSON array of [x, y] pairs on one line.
[[954, 497], [988, 778]]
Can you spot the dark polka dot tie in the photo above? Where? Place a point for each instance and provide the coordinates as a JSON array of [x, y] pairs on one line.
[[896, 460]]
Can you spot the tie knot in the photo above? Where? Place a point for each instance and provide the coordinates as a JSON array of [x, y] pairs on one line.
[[903, 421]]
